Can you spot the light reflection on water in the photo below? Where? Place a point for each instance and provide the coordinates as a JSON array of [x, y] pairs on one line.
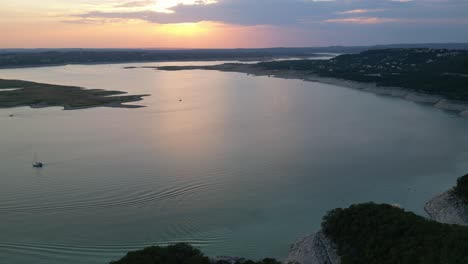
[[242, 166]]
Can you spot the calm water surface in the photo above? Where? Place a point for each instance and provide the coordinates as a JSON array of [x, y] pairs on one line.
[[242, 166]]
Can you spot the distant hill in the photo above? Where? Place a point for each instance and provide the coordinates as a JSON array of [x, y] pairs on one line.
[[14, 58], [34, 58]]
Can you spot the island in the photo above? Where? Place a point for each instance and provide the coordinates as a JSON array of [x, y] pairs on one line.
[[433, 76], [15, 93], [451, 207]]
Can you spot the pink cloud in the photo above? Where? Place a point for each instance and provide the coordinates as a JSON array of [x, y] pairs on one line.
[[360, 11], [362, 20], [381, 20]]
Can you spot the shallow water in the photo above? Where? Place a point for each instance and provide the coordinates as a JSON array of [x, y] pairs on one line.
[[242, 166]]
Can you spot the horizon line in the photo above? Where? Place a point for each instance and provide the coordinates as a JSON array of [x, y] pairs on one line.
[[239, 48]]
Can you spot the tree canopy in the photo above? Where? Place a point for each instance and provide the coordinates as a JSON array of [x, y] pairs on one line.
[[180, 253], [383, 234]]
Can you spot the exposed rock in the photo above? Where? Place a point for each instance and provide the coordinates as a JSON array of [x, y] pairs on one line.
[[391, 91], [313, 249], [447, 208], [227, 259]]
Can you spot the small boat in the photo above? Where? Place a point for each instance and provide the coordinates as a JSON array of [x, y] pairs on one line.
[[37, 164]]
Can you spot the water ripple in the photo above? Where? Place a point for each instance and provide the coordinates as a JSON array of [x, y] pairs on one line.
[[117, 200]]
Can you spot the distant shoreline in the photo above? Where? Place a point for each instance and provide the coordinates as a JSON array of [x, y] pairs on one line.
[[240, 59], [137, 61]]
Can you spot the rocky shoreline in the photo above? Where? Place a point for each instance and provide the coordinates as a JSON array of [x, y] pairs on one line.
[[437, 101], [447, 208], [316, 248]]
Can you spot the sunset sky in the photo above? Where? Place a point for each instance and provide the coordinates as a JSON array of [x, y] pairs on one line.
[[228, 23]]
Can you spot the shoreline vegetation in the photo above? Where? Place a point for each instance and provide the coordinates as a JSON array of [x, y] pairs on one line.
[[16, 93], [362, 233], [430, 76]]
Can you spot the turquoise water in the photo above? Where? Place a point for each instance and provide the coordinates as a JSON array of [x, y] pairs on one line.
[[242, 166]]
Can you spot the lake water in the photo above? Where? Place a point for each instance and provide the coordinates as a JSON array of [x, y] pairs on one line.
[[242, 166]]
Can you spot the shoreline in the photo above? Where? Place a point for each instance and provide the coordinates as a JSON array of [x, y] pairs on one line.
[[437, 101], [247, 59]]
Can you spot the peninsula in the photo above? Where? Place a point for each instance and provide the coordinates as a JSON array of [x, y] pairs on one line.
[[15, 93]]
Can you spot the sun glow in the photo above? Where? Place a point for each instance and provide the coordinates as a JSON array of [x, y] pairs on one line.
[[185, 29]]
